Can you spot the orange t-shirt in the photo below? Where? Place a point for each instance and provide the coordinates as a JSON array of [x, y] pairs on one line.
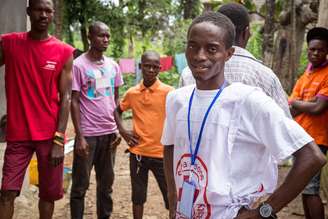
[[311, 85], [148, 115]]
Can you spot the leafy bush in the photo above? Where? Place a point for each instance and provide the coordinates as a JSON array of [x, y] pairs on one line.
[[175, 38], [129, 81], [303, 61], [254, 44], [170, 77]]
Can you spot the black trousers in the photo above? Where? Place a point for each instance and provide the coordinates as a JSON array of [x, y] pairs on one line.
[[139, 178], [102, 157]]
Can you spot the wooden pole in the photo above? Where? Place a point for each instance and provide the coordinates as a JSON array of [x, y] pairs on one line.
[[293, 46]]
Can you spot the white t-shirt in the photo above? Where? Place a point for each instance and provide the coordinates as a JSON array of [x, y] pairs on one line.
[[246, 133]]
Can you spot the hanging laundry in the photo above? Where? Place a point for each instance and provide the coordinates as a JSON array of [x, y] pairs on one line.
[[180, 62], [166, 63], [127, 65], [138, 70]]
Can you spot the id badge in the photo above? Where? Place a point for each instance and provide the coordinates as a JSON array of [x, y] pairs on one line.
[[187, 198], [103, 82]]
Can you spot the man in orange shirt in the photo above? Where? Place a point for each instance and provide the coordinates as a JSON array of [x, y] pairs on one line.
[[308, 105], [147, 101]]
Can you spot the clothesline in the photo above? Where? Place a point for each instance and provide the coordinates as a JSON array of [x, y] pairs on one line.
[[131, 65]]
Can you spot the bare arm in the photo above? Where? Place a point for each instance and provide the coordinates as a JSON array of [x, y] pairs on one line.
[[81, 146], [308, 161], [116, 95], [169, 176], [131, 138], [75, 112], [65, 89], [310, 107]]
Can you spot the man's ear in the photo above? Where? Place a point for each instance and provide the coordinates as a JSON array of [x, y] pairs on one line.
[[89, 37], [229, 53], [246, 34], [139, 65]]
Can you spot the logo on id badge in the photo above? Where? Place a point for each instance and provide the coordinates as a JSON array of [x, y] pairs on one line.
[[187, 199]]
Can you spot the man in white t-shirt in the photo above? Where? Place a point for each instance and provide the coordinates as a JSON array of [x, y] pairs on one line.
[[243, 67], [219, 156]]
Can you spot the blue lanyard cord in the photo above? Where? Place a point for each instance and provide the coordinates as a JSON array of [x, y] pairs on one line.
[[194, 155]]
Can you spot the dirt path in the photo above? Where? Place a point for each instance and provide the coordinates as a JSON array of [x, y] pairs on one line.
[[26, 208]]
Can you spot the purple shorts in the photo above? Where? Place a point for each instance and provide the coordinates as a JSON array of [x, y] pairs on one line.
[[17, 157]]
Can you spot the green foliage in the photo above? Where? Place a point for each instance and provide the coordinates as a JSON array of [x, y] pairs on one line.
[[303, 61], [116, 21], [189, 9], [170, 77], [249, 4], [279, 6], [129, 81], [254, 44], [175, 38]]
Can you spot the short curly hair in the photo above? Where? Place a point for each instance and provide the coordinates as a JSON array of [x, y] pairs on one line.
[[238, 15], [219, 20], [317, 33]]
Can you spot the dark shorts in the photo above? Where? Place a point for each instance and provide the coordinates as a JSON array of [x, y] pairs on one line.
[[16, 160], [139, 178], [313, 187]]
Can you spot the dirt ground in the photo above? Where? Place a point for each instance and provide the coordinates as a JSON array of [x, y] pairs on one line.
[[26, 206]]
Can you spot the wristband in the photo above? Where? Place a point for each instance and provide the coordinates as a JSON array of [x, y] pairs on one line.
[[60, 134], [58, 143], [60, 137]]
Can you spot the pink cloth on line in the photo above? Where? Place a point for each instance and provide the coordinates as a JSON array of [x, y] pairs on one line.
[[127, 65], [166, 63]]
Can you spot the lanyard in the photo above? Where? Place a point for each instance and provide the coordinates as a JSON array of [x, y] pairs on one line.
[[194, 155]]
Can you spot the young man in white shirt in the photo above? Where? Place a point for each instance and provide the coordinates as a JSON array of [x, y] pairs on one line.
[[219, 157]]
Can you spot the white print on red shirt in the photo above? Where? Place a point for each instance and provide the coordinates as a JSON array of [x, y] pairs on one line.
[[201, 208], [50, 65]]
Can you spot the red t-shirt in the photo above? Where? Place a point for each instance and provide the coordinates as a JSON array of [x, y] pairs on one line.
[[32, 70]]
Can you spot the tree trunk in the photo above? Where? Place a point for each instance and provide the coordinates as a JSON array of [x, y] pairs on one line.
[[294, 60], [70, 37], [323, 14], [58, 18], [131, 47], [268, 35], [189, 11], [208, 6], [285, 64], [83, 22], [84, 36]]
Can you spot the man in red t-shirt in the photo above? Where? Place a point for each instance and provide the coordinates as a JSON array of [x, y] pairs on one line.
[[38, 88]]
